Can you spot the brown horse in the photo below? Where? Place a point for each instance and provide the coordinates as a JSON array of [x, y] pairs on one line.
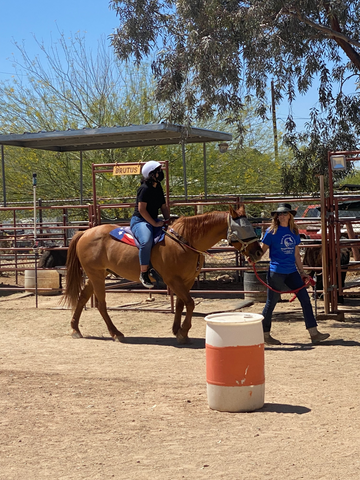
[[178, 259], [313, 258]]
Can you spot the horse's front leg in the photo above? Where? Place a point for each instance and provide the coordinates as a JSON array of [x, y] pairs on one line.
[[183, 299], [182, 334], [179, 307]]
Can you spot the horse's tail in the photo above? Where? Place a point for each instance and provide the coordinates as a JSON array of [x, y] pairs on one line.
[[74, 276]]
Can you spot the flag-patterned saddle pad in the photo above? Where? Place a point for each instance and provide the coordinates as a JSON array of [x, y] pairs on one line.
[[123, 234]]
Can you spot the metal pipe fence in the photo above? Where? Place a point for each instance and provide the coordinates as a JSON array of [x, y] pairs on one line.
[[57, 223]]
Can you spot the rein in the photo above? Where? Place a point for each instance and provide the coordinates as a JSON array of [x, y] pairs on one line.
[[309, 282], [178, 238]]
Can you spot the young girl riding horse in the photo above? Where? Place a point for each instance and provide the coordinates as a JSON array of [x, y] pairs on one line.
[[144, 223]]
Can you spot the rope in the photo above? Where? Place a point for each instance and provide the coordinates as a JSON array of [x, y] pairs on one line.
[[309, 282]]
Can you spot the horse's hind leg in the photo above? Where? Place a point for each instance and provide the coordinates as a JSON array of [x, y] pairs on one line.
[[99, 290], [83, 298]]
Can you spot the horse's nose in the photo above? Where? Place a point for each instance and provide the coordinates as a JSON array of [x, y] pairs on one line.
[[259, 254]]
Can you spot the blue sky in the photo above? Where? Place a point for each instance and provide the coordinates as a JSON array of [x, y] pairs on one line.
[[21, 20]]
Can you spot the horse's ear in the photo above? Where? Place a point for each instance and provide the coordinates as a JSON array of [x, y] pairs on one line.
[[237, 213], [232, 212], [241, 211]]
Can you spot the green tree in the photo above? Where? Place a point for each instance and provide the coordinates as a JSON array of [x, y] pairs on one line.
[[66, 87], [212, 54], [223, 50]]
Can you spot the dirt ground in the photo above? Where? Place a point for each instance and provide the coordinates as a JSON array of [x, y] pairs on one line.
[[97, 409]]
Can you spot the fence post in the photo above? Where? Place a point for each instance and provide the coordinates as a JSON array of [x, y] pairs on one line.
[[324, 246]]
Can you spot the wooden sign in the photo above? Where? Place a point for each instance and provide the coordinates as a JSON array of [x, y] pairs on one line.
[[127, 170]]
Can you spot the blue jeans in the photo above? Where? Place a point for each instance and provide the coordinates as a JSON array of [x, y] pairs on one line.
[[285, 282], [144, 233]]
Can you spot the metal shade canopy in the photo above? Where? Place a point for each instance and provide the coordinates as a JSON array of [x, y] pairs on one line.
[[113, 137]]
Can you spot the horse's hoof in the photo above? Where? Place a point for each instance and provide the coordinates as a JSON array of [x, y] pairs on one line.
[[76, 334], [182, 340], [119, 338]]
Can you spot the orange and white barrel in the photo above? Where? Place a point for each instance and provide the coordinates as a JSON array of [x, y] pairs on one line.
[[235, 370]]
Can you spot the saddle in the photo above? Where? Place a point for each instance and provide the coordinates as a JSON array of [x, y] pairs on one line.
[[124, 235]]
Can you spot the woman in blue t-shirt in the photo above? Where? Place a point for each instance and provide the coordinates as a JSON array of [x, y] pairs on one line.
[[144, 223], [286, 271]]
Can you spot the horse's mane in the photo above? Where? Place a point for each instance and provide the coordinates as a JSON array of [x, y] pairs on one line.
[[190, 227]]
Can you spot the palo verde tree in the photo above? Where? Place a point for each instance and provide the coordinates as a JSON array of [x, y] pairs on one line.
[[212, 54], [67, 87]]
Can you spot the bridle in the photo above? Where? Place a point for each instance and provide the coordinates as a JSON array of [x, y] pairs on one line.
[[240, 231]]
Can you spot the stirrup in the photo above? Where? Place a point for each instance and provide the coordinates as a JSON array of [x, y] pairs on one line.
[[154, 274], [145, 280]]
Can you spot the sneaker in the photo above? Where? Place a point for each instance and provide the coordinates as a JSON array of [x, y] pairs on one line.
[[269, 340], [145, 280]]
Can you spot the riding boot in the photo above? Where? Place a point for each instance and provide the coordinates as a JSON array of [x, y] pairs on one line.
[[316, 336], [269, 340], [145, 280]]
